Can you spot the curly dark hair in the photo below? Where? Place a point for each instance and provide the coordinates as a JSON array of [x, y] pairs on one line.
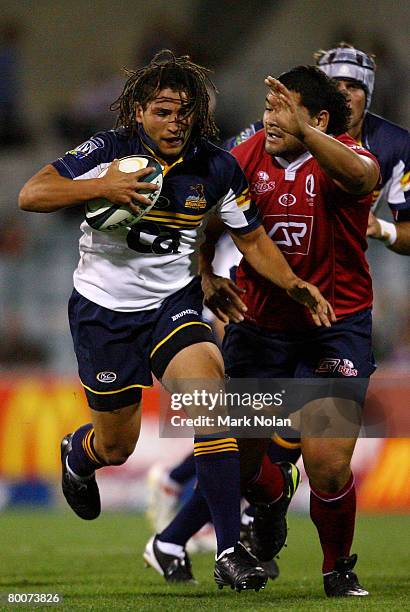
[[319, 92], [180, 74]]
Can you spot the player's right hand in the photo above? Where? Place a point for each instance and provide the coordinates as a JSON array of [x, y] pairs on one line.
[[123, 187], [221, 296], [307, 294]]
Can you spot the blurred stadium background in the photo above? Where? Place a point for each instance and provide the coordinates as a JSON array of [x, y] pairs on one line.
[[60, 67]]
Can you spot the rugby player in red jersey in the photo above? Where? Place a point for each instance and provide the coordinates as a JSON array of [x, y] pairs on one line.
[[312, 193]]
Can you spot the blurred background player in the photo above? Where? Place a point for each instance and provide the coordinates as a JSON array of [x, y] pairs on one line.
[[329, 179], [354, 71]]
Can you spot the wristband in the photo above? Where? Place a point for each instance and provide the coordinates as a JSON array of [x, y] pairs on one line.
[[389, 232]]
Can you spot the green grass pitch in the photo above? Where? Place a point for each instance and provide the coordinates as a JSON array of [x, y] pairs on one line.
[[98, 566]]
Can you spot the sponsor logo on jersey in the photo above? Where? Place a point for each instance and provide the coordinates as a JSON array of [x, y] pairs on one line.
[[263, 184], [327, 365], [196, 201], [87, 147], [291, 232], [347, 368], [310, 189], [106, 377], [188, 311], [287, 199]]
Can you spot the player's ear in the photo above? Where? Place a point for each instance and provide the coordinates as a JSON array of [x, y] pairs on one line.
[[139, 111], [322, 120]]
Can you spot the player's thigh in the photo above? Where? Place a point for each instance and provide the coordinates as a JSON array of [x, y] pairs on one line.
[[196, 373], [183, 345], [338, 361], [252, 352], [343, 351], [202, 360]]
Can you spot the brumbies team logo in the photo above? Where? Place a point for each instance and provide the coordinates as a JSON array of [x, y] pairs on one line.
[[263, 184], [197, 199]]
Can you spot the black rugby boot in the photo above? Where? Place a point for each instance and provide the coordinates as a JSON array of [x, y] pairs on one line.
[[82, 495], [240, 570], [342, 582], [171, 567]]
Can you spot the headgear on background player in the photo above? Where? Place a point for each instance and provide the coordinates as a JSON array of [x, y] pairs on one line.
[[347, 63]]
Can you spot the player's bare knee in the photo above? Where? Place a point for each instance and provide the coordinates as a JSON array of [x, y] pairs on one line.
[[329, 477]]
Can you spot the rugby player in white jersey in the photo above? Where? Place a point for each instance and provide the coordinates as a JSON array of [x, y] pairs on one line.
[[137, 299]]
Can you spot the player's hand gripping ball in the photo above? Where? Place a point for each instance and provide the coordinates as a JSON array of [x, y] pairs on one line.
[[105, 216]]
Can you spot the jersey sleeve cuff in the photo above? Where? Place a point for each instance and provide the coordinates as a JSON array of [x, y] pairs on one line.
[[255, 223]]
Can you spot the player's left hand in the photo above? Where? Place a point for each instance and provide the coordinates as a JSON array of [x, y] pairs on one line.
[[374, 229], [310, 296], [287, 114], [222, 297]]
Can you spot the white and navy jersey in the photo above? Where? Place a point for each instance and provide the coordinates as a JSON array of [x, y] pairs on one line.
[[137, 268], [390, 144]]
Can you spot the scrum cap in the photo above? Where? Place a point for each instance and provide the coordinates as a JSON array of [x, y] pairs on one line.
[[345, 62]]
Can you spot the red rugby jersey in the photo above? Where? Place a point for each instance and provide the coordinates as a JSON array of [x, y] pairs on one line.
[[320, 229]]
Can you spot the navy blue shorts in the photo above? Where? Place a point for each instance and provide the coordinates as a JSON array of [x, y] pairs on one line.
[[117, 351], [343, 351]]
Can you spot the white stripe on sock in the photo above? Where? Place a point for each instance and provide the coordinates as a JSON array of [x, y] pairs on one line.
[[332, 499], [168, 548]]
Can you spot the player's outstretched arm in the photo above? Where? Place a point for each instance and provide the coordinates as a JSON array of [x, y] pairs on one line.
[[222, 296], [48, 191], [265, 257], [354, 173]]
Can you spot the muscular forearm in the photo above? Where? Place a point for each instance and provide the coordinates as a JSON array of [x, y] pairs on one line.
[[206, 257], [266, 258], [354, 173], [402, 242], [47, 191], [395, 236], [214, 230]]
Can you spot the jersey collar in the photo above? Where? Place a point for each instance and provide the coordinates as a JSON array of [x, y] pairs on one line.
[[295, 164]]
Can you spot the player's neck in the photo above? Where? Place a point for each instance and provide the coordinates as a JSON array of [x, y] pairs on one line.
[[355, 131]]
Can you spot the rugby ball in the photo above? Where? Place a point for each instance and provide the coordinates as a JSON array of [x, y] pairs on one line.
[[105, 216]]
